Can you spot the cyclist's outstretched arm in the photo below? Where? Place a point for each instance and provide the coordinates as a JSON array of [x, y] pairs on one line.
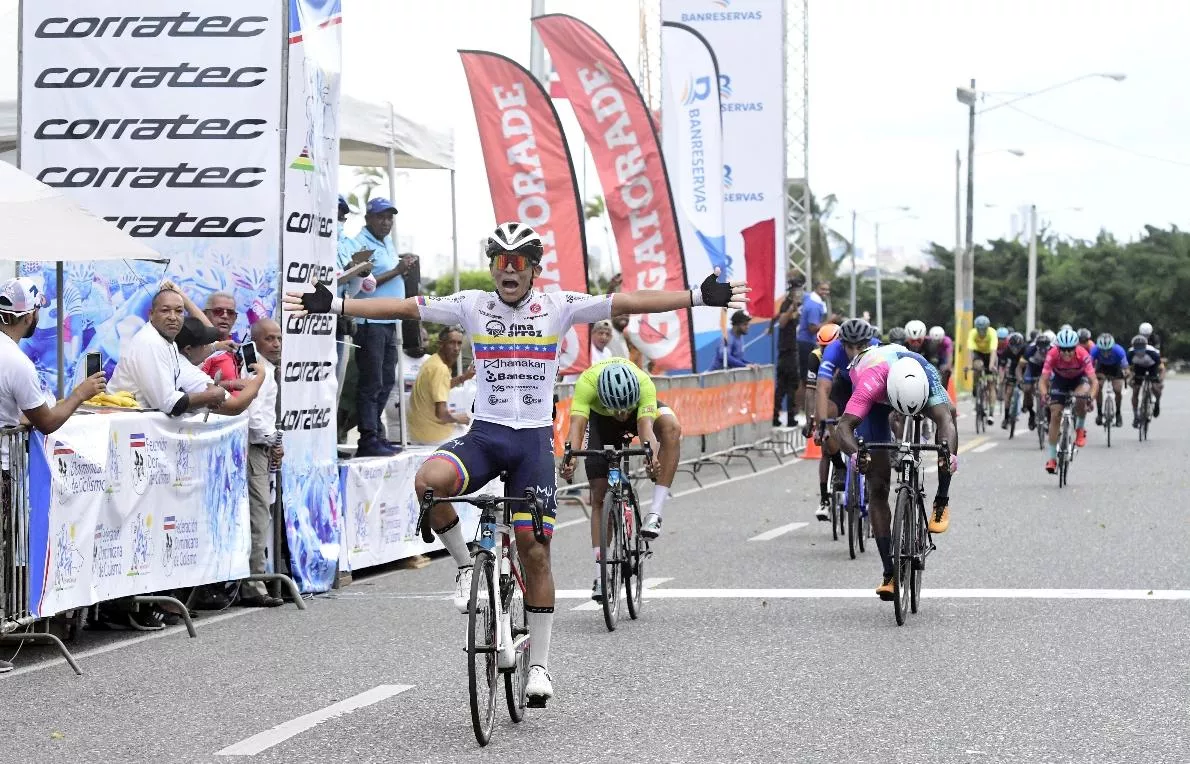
[[710, 292], [322, 300]]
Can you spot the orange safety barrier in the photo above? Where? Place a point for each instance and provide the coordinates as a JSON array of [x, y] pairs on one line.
[[561, 426], [812, 450], [954, 398]]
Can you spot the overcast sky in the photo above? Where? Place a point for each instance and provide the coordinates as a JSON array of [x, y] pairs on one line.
[[884, 122]]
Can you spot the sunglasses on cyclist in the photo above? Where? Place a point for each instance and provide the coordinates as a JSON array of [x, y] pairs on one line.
[[518, 262], [223, 312], [1066, 350]]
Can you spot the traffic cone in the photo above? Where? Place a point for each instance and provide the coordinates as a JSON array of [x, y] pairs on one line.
[[954, 398], [812, 450]]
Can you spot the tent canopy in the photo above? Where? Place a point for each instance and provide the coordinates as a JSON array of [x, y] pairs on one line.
[[8, 75], [29, 208], [368, 130]]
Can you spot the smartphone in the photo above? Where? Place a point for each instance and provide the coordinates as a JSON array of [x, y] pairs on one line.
[[94, 364], [247, 355]]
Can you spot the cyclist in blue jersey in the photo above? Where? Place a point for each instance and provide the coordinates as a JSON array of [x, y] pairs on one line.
[[515, 332], [1111, 362]]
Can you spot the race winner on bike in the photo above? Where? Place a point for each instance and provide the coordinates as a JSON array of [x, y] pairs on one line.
[[1111, 363], [826, 335], [1067, 371], [832, 389], [1146, 363], [515, 332], [884, 380], [1009, 359], [982, 341], [614, 399], [1032, 361]]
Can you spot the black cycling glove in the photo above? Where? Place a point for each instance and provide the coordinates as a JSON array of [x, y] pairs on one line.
[[712, 292], [318, 301]]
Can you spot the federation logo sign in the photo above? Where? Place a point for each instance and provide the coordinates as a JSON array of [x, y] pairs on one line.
[[304, 162], [696, 90], [140, 461]]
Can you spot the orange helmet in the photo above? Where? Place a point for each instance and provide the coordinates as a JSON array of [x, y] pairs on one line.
[[827, 333]]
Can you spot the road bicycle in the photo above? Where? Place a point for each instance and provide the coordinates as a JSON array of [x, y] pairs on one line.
[[911, 539], [837, 486], [622, 549], [1066, 448], [497, 627], [1012, 405], [1108, 411], [1144, 414], [982, 393]]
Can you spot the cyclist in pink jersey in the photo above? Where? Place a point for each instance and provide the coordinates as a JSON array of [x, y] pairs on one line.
[[1067, 371]]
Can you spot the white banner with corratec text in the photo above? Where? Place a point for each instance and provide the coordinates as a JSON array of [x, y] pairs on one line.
[[310, 475], [163, 117]]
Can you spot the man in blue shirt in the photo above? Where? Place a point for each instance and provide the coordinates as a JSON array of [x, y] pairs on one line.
[[734, 345], [814, 314], [376, 340]]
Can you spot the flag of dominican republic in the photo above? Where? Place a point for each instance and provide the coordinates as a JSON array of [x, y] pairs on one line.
[[170, 523], [61, 449], [136, 440]]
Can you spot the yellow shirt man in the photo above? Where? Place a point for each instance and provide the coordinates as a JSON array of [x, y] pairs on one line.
[[431, 387], [982, 342]]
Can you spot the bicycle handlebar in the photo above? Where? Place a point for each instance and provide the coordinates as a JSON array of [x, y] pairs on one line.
[[940, 448], [486, 502], [611, 453]]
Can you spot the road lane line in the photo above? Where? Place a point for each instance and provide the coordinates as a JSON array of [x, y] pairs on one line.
[[973, 443], [780, 530], [1051, 594], [647, 584], [985, 447], [282, 732]]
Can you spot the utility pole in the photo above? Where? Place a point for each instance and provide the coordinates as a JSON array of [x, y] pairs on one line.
[[963, 326], [1031, 293]]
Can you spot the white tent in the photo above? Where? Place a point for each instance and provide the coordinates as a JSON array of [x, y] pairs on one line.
[[368, 130], [8, 76]]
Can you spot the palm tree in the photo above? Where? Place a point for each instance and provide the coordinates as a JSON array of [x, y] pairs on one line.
[[594, 208], [822, 236], [368, 179]]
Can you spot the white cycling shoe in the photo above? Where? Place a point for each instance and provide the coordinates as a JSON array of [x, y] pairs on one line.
[[651, 527], [462, 597], [539, 688]]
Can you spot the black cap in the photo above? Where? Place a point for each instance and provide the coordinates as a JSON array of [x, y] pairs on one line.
[[740, 317], [195, 333]]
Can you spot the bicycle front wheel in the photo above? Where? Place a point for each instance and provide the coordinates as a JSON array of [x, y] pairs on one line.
[[853, 524], [636, 549], [611, 556], [481, 647], [902, 553]]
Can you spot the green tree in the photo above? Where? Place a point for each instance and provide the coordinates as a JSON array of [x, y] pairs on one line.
[[822, 236], [445, 285], [368, 179]]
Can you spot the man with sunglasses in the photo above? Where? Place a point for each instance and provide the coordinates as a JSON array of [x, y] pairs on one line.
[[222, 315], [515, 332], [1067, 371]]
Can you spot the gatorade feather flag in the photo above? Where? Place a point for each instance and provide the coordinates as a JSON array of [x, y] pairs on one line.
[[624, 146], [531, 177]]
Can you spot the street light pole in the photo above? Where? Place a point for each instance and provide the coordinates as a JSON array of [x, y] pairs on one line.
[[959, 281], [853, 216], [1031, 293], [963, 353]]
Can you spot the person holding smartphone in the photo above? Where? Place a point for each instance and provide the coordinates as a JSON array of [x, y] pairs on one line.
[[376, 339]]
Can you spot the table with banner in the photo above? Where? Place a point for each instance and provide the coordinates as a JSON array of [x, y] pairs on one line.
[[127, 503]]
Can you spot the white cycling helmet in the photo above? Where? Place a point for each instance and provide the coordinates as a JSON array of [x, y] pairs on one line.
[[937, 334], [515, 237], [1146, 330], [915, 330], [908, 387], [1048, 337]]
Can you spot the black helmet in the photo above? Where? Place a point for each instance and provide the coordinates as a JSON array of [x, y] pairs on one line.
[[855, 331], [1016, 340], [1084, 334], [1139, 342], [896, 336]]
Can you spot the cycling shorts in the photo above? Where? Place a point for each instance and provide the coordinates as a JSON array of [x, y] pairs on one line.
[[1115, 371], [609, 431], [985, 357], [527, 455], [1032, 373], [1152, 373], [875, 426], [1060, 387]]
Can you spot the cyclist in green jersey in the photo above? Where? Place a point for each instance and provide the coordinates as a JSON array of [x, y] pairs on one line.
[[619, 399]]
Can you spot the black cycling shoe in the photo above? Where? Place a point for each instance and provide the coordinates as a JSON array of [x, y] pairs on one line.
[[1156, 408], [1032, 421], [1099, 420], [1119, 419]]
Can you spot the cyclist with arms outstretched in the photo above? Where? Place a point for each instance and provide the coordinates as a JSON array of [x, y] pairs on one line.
[[515, 332], [618, 399]]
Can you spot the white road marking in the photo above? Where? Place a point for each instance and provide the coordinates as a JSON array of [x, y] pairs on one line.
[[81, 656], [647, 584], [1054, 594], [780, 530], [985, 447], [282, 732]]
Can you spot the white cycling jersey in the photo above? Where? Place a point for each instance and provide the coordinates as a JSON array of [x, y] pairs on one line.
[[516, 349]]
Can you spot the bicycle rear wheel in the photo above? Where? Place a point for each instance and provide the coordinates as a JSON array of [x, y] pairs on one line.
[[865, 524], [902, 553], [611, 556], [636, 549], [481, 647], [1042, 416], [514, 605], [1109, 415]]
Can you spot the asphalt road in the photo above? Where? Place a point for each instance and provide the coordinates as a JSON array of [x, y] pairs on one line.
[[1053, 629]]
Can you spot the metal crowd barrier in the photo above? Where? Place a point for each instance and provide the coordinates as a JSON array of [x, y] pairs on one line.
[[16, 612], [725, 415]]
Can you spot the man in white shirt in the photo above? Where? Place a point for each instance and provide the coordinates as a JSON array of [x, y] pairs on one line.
[[264, 454], [20, 390], [151, 369], [601, 337]]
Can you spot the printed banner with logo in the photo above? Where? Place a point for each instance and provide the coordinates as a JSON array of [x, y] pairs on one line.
[[163, 117], [693, 144], [381, 509], [310, 473], [531, 177], [748, 37], [130, 503], [623, 141]]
